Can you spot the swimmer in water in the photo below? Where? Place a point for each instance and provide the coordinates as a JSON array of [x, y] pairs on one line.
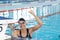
[[25, 33]]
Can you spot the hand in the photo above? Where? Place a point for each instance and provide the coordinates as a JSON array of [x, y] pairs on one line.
[[31, 12], [10, 25]]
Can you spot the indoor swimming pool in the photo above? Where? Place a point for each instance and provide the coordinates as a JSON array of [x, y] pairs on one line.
[[50, 30], [30, 10]]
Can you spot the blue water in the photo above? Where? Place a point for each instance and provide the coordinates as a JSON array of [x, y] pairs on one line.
[[50, 30]]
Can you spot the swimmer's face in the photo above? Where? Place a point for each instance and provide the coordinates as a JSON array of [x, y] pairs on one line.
[[22, 24]]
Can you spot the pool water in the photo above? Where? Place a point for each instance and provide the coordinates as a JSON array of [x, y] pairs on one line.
[[50, 30]]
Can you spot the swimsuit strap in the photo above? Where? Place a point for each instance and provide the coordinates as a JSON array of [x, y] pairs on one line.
[[28, 34]]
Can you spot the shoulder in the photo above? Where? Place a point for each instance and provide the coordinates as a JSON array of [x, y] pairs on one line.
[[30, 29], [16, 31]]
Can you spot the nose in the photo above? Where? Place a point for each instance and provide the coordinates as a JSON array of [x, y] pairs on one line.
[[21, 24]]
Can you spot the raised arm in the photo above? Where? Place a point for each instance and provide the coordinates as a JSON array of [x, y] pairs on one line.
[[37, 19]]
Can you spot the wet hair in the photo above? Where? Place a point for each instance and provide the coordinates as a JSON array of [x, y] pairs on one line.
[[21, 19]]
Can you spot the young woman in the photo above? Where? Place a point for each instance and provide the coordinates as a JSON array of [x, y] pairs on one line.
[[25, 33]]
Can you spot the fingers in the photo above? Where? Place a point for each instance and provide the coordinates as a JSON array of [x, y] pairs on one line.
[[10, 25], [31, 11]]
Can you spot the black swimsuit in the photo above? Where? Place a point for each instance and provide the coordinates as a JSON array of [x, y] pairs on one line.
[[28, 37], [28, 34]]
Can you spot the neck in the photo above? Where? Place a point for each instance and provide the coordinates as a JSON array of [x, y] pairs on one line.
[[23, 28]]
